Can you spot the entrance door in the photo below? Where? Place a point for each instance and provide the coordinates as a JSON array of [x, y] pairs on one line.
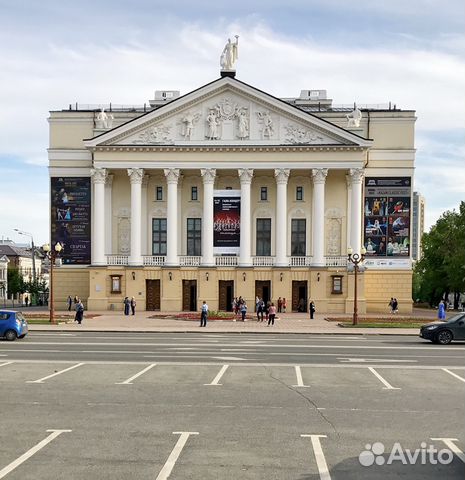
[[152, 294], [226, 291], [299, 296], [189, 295], [263, 290]]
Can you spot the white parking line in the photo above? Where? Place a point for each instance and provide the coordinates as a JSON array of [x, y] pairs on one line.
[[129, 380], [300, 380], [451, 445], [388, 386], [218, 377], [454, 375], [169, 465], [9, 468], [5, 364], [41, 380], [319, 456]]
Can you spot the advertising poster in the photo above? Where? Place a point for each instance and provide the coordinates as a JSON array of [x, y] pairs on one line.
[[70, 218], [387, 216], [226, 221]]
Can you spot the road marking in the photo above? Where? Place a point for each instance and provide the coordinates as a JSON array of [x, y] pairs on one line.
[[41, 380], [129, 380], [450, 443], [218, 377], [229, 358], [9, 468], [361, 360], [5, 364], [169, 465], [454, 375], [319, 456], [300, 381], [388, 386]]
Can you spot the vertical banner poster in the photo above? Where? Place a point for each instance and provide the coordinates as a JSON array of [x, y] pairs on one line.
[[226, 222], [387, 216], [70, 218]]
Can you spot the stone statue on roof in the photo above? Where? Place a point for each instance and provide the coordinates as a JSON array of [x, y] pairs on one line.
[[229, 56], [354, 118]]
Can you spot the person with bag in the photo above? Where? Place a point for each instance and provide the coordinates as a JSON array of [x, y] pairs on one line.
[[271, 314], [312, 309], [79, 312], [133, 305], [203, 314], [243, 310]]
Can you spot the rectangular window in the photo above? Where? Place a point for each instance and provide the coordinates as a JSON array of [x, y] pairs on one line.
[[298, 237], [336, 284], [299, 193], [263, 237], [159, 193], [115, 284], [194, 193], [159, 236], [194, 236], [264, 194]]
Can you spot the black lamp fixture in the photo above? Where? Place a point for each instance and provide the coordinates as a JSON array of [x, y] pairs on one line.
[[281, 277], [318, 277], [170, 276], [243, 276], [206, 276], [133, 275]]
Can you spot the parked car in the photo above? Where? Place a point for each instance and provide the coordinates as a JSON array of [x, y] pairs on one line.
[[13, 325], [445, 332]]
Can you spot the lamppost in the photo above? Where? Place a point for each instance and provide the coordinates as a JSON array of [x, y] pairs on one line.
[[51, 255], [34, 274], [356, 265]]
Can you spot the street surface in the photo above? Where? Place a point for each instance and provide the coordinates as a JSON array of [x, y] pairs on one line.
[[82, 405]]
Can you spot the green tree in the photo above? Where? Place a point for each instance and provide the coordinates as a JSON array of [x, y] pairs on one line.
[[15, 282]]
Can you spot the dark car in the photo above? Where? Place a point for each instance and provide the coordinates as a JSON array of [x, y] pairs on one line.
[[12, 325], [445, 332]]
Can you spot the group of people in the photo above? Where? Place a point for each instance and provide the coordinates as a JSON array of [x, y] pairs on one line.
[[265, 311], [78, 308], [129, 305], [393, 305], [239, 307]]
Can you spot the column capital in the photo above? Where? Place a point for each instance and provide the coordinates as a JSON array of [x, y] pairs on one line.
[[356, 175], [172, 175], [98, 175], [245, 175], [282, 175], [208, 175], [319, 175], [136, 175]]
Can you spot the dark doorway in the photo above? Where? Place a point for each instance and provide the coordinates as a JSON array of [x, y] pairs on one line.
[[263, 290], [226, 292], [152, 294], [189, 295], [299, 296]]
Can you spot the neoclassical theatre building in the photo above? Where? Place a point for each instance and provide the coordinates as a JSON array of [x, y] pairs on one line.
[[229, 191]]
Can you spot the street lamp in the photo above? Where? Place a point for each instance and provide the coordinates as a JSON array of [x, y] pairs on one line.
[[52, 255], [356, 264], [34, 274]]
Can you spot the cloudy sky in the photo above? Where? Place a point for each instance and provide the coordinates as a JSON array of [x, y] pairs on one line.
[[57, 52]]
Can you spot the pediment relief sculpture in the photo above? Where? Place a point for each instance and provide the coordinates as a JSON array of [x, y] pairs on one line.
[[155, 135], [297, 134], [267, 127], [188, 122]]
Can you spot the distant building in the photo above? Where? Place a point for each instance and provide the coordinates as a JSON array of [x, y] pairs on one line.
[[3, 277], [418, 225], [20, 258]]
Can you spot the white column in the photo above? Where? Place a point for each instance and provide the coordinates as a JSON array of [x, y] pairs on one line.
[[109, 215], [349, 211], [245, 176], [356, 175], [136, 176], [145, 223], [208, 177], [99, 176], [172, 177], [318, 223], [282, 176]]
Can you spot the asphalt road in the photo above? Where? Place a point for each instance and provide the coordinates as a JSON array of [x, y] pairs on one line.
[[226, 407]]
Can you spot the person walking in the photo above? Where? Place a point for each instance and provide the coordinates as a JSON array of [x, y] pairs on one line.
[[79, 311], [271, 314], [395, 305], [280, 304], [126, 303], [312, 309], [390, 305], [204, 314], [69, 301], [284, 305], [260, 307], [133, 305], [243, 310], [441, 311]]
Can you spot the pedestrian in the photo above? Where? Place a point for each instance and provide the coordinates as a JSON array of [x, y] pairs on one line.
[[271, 314], [260, 308], [126, 304], [441, 311], [69, 301], [133, 305], [204, 314], [391, 302], [312, 309], [243, 310], [79, 312], [395, 305], [26, 300], [284, 305], [257, 301], [280, 304], [267, 310]]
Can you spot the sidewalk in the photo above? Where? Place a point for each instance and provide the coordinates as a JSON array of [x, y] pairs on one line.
[[286, 323]]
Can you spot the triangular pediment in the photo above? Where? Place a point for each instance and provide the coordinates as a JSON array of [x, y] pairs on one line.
[[227, 112]]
